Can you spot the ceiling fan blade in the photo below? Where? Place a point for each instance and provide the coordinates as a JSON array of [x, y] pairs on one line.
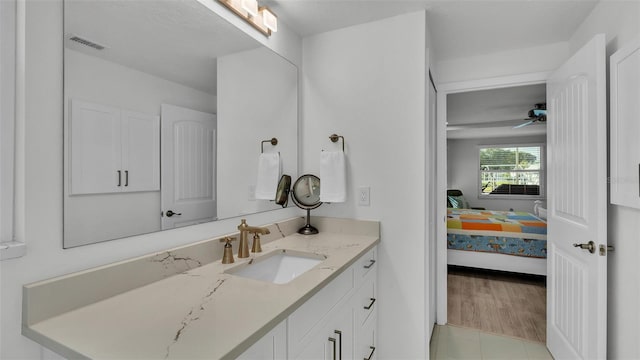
[[525, 124]]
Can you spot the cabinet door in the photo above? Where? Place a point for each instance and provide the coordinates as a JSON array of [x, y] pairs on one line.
[[95, 148], [625, 127], [140, 151], [272, 346], [334, 340], [366, 341]]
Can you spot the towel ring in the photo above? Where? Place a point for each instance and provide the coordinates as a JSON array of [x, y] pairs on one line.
[[273, 142], [335, 137]]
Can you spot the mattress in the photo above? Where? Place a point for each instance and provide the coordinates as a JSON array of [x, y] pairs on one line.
[[505, 232]]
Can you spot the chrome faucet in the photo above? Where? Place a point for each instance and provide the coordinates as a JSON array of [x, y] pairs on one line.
[[243, 247]]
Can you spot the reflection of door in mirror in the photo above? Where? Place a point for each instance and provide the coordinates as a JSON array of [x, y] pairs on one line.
[[188, 191]]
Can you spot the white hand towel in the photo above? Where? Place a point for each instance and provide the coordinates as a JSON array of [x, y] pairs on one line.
[[268, 176], [333, 177]]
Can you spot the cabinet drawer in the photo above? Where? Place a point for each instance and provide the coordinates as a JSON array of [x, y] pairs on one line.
[[366, 341], [365, 299], [365, 264], [303, 320]]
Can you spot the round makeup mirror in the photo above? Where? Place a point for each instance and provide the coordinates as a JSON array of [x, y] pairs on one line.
[[306, 195]]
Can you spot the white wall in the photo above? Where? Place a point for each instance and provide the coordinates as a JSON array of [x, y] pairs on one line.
[[111, 216], [503, 63], [7, 115], [462, 171], [620, 21], [257, 94], [39, 202], [367, 83]]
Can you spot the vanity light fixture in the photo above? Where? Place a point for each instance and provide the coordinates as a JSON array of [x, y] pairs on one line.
[[251, 7], [261, 18], [269, 19]]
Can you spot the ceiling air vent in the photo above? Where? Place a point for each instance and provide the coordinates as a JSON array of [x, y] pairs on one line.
[[86, 42]]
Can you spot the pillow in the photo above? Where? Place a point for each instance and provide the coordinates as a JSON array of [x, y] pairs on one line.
[[458, 202]]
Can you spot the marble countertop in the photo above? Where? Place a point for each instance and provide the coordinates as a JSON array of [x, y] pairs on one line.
[[202, 312]]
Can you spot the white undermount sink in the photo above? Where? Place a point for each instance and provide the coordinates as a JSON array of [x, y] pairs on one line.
[[278, 267]]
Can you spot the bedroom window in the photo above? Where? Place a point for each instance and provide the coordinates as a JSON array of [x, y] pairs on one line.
[[512, 170]]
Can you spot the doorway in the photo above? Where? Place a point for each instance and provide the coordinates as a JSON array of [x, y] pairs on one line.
[[496, 245], [461, 277], [576, 273]]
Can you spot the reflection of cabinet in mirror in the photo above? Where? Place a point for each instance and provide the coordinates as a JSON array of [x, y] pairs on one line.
[[179, 53], [113, 150]]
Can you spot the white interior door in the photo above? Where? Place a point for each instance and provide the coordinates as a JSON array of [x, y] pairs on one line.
[[432, 191], [188, 167], [577, 214]]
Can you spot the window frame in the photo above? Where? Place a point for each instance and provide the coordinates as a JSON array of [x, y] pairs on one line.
[[542, 171]]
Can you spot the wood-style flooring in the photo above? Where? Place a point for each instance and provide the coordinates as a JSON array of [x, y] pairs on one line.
[[498, 302]]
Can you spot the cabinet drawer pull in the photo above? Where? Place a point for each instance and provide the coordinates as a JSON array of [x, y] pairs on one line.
[[126, 178], [373, 349], [119, 178], [339, 333], [373, 300], [371, 262], [334, 347]]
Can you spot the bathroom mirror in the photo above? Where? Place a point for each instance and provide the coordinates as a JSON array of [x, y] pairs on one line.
[[306, 195], [166, 105]]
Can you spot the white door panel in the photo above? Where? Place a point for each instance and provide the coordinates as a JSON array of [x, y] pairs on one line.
[[188, 166], [625, 127], [95, 148], [141, 151], [577, 214]]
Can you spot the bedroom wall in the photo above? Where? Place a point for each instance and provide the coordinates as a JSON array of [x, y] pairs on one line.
[[620, 21], [462, 171], [38, 209], [366, 82]]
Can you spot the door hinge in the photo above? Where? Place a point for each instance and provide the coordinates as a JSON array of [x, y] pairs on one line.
[[604, 249]]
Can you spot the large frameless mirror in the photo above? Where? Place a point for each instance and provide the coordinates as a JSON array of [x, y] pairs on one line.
[[166, 106]]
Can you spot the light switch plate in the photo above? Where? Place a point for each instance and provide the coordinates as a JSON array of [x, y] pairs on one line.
[[364, 196]]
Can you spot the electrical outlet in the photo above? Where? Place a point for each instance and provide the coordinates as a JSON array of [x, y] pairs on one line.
[[364, 196]]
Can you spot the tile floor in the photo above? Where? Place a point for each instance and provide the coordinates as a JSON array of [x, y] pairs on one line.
[[453, 342]]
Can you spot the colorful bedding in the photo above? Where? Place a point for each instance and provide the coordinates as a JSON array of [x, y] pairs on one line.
[[504, 232]]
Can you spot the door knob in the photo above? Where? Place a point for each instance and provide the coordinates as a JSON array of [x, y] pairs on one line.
[[170, 213], [591, 246]]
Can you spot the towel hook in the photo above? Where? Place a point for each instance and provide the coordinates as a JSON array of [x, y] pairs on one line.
[[335, 137], [273, 142]]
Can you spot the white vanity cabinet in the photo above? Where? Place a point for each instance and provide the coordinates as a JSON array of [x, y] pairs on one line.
[[112, 150], [339, 322], [272, 346], [625, 126], [365, 307]]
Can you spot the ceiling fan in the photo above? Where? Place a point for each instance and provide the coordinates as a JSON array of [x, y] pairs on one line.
[[537, 114]]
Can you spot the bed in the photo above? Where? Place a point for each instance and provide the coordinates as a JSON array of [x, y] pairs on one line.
[[498, 240]]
